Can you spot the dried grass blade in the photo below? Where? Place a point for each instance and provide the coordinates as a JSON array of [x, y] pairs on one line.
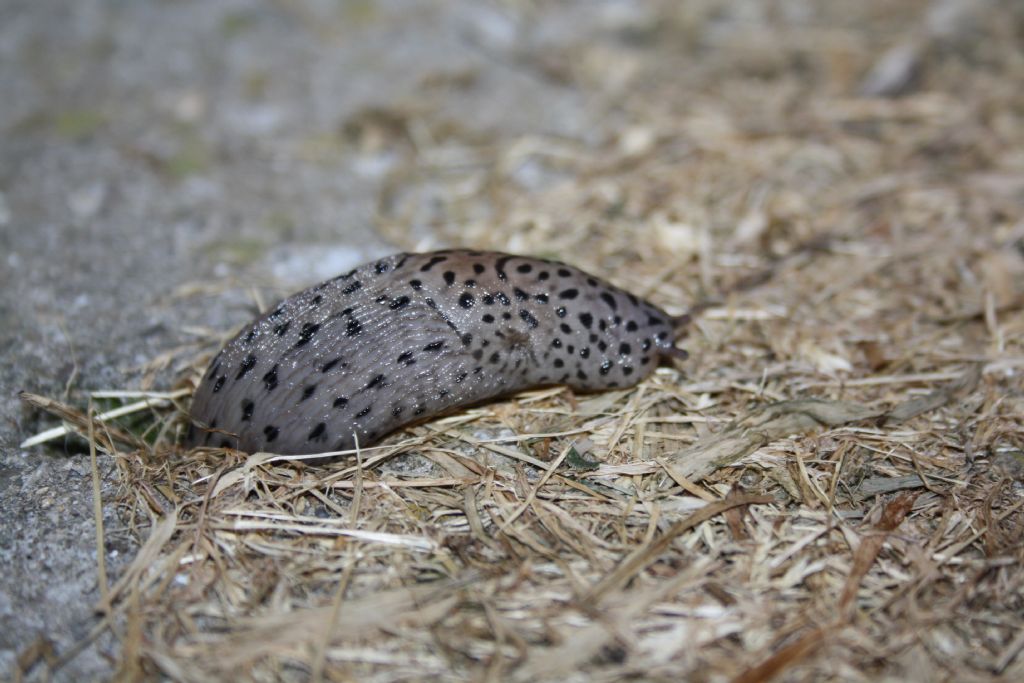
[[759, 428], [893, 514], [79, 423], [641, 557]]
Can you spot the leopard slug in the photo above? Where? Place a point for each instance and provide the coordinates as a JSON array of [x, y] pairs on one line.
[[410, 336]]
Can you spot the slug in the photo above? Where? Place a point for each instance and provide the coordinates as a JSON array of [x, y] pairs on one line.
[[411, 336]]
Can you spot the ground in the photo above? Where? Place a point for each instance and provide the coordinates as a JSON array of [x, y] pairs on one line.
[[169, 168]]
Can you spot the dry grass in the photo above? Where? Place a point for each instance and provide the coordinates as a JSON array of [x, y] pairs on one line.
[[831, 488]]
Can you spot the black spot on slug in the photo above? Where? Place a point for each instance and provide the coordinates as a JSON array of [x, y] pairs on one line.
[[306, 333], [478, 268], [499, 267], [248, 364], [317, 431], [605, 367], [382, 267], [400, 302], [561, 312], [416, 284], [308, 392], [270, 379], [406, 358], [270, 432], [528, 318], [328, 366], [247, 409], [570, 293], [466, 300], [520, 294], [282, 329], [353, 328], [219, 383], [524, 268], [352, 288], [364, 412], [432, 262], [434, 346], [340, 402], [449, 277], [377, 381]]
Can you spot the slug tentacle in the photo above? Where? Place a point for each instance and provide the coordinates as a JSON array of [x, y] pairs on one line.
[[411, 336]]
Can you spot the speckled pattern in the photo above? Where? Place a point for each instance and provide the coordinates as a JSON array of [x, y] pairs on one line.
[[413, 335]]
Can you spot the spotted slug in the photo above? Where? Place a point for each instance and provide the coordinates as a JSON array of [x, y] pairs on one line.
[[411, 336]]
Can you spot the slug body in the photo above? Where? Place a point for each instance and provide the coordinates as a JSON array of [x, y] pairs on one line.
[[410, 336]]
